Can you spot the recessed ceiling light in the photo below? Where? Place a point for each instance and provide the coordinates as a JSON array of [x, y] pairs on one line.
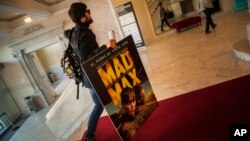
[[28, 20]]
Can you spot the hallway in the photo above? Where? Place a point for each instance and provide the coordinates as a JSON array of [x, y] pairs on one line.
[[178, 63], [190, 60]]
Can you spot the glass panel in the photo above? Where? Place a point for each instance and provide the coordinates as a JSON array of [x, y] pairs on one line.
[[7, 104], [174, 11]]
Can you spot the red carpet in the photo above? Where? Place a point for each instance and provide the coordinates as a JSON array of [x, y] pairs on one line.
[[201, 115]]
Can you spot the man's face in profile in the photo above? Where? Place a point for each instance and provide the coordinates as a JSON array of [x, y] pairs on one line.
[[88, 18]]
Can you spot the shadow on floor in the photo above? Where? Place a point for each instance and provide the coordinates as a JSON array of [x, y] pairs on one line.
[[13, 129]]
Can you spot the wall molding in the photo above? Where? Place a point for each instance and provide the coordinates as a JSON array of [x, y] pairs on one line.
[[15, 44]]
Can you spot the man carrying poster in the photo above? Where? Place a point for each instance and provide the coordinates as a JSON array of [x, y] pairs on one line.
[[83, 43], [125, 91]]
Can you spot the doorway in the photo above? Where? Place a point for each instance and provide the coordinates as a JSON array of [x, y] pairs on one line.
[[186, 6], [9, 110], [23, 50], [44, 64]]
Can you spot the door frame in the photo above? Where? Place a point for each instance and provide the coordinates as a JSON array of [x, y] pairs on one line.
[[23, 47]]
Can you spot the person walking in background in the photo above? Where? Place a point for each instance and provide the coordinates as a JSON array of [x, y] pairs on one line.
[[83, 42], [207, 7], [163, 16]]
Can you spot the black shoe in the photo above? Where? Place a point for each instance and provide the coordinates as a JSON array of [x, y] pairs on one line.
[[207, 32], [88, 137], [214, 26]]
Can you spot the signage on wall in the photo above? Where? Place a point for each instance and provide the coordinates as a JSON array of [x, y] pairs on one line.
[[32, 29], [129, 23]]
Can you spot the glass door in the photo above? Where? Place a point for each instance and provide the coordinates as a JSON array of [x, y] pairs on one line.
[[240, 4], [7, 104]]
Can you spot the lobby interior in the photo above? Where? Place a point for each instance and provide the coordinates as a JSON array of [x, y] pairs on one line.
[[176, 63]]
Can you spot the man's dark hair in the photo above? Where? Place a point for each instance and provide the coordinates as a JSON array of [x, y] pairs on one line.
[[160, 3], [76, 11], [137, 90], [125, 95], [140, 100]]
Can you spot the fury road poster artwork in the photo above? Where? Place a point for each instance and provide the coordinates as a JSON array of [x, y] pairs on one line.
[[122, 85]]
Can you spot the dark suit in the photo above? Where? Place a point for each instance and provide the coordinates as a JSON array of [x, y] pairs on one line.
[[209, 20], [163, 18]]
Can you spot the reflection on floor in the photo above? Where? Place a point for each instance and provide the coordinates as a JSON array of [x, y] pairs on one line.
[[13, 129], [176, 64], [34, 129], [173, 20]]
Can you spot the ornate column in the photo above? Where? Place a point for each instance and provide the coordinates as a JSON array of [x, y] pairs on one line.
[[18, 54]]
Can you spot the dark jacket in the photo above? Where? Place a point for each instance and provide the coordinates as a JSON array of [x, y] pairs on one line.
[[83, 41]]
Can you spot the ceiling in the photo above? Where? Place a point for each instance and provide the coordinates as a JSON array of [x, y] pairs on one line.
[[13, 12]]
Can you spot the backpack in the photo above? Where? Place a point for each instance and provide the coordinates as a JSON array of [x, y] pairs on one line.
[[72, 67]]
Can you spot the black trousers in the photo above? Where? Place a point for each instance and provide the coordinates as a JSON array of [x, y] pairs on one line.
[[209, 20], [166, 21]]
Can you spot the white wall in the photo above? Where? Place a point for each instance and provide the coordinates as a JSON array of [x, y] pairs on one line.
[[18, 84], [50, 58], [7, 104], [5, 54]]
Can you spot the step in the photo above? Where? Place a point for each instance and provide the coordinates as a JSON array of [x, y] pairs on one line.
[[242, 50]]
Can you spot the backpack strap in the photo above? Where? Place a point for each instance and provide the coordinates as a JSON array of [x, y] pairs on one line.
[[77, 94], [71, 49]]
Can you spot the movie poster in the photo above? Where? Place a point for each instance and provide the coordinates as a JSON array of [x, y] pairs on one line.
[[120, 80]]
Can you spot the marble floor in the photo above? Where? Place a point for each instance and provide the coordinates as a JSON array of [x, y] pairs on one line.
[[190, 60], [176, 64], [13, 128]]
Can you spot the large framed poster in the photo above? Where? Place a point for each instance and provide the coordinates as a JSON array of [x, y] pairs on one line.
[[129, 24], [121, 83]]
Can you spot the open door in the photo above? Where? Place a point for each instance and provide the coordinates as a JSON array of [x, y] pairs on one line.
[[40, 77]]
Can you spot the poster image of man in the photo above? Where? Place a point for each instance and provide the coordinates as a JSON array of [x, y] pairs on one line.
[[140, 96], [126, 93], [135, 107]]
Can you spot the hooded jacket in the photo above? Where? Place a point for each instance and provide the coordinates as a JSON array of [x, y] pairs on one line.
[[83, 42]]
